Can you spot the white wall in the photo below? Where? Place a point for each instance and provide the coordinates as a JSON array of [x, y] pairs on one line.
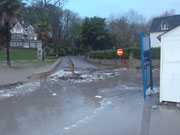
[[170, 66], [154, 40]]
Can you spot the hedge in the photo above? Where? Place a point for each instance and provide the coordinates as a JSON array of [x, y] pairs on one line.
[[112, 54], [62, 52], [156, 53]]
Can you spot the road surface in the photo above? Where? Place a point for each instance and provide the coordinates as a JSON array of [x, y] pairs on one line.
[[96, 100]]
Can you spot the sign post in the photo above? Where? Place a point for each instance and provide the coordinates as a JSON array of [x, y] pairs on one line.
[[146, 59], [120, 53]]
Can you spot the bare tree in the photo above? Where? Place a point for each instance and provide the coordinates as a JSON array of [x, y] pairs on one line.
[[68, 20], [125, 28], [50, 11]]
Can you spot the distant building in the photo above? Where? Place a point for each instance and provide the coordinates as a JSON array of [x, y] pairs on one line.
[[23, 35], [162, 25]]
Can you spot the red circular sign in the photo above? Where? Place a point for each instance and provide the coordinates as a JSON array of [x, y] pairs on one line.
[[120, 52]]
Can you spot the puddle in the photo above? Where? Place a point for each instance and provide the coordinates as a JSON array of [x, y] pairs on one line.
[[104, 103]]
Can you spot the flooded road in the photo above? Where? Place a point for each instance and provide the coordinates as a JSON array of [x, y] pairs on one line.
[[96, 100]]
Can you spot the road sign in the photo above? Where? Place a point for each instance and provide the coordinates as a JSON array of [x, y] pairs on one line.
[[146, 59], [120, 52]]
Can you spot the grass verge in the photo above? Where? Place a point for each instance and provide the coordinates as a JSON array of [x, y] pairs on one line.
[[21, 54]]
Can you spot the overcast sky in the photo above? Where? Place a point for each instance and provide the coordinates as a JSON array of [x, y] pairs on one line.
[[104, 8]]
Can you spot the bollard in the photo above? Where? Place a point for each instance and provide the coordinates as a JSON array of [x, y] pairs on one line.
[[72, 68], [71, 65]]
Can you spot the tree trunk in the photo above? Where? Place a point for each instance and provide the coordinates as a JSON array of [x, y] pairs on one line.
[[7, 53], [90, 46], [8, 38], [43, 51]]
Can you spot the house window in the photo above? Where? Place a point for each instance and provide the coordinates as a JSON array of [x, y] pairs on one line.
[[164, 26], [30, 31]]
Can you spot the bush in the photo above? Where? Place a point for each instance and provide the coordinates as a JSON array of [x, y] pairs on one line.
[[112, 54], [62, 52], [99, 54], [126, 53], [136, 52], [156, 53], [109, 54], [67, 49]]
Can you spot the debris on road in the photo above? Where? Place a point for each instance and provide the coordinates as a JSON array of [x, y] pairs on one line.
[[19, 90], [83, 76], [154, 107], [54, 94], [66, 128], [122, 98], [98, 97]]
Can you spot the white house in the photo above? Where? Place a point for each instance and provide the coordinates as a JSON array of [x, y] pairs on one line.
[[170, 65], [23, 35], [162, 25]]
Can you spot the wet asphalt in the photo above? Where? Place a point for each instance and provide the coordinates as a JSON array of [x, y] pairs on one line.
[[108, 105]]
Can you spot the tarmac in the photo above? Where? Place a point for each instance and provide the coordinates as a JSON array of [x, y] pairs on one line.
[[21, 72], [96, 101]]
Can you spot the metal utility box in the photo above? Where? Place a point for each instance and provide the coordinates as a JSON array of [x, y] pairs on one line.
[[170, 66]]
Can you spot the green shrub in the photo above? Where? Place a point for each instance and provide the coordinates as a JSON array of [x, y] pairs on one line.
[[126, 53], [67, 49], [136, 52], [156, 53], [115, 54], [109, 54], [99, 54], [112, 54], [62, 52], [91, 54]]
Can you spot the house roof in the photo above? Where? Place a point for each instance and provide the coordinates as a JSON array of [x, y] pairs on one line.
[[173, 21], [19, 26], [159, 37], [25, 24]]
